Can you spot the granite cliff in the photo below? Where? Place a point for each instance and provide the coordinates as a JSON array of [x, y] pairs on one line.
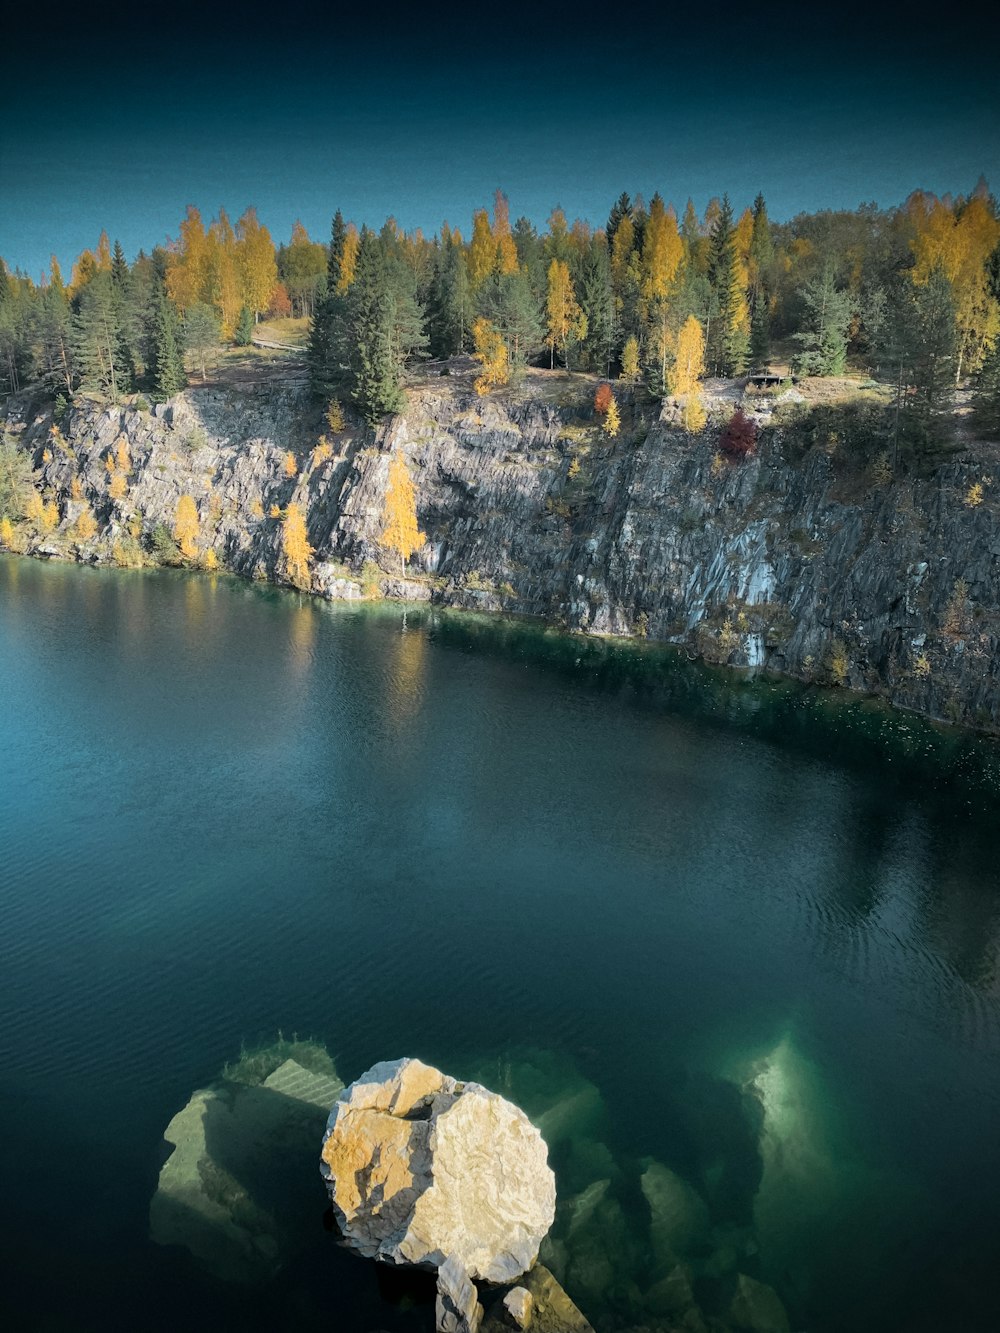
[[775, 562]]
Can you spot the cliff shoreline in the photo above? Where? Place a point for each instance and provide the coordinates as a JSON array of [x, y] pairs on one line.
[[769, 563]]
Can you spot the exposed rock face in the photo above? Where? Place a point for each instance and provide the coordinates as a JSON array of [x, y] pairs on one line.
[[421, 1168], [765, 563]]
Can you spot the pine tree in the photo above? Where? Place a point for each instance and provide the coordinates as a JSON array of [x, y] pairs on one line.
[[728, 340], [400, 531], [168, 367]]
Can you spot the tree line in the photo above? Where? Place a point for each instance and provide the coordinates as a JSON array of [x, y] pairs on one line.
[[653, 296]]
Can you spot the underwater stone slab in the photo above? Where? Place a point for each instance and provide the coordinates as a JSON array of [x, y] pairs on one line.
[[552, 1311], [420, 1167], [229, 1142]]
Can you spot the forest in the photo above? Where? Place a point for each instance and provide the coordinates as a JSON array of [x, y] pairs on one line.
[[908, 296]]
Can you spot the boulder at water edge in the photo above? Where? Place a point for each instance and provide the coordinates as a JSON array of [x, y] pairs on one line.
[[420, 1167]]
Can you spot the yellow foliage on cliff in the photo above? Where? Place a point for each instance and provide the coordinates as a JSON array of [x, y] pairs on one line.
[[50, 516], [291, 466], [6, 532], [186, 527], [34, 509], [400, 532], [86, 525], [118, 488], [296, 548]]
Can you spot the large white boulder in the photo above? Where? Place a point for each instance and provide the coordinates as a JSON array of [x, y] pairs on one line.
[[420, 1167]]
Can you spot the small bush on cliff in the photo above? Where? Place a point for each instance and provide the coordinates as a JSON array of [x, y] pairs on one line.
[[739, 436]]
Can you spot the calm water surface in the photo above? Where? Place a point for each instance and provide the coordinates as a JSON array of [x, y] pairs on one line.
[[226, 812]]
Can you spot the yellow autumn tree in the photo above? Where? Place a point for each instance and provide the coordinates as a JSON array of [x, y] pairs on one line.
[[75, 489], [6, 532], [482, 256], [959, 242], [492, 354], [630, 360], [694, 416], [291, 466], [506, 250], [122, 455], [210, 560], [400, 532], [34, 508], [186, 527], [256, 263], [50, 516], [86, 525], [222, 278], [612, 420], [187, 271], [662, 251], [565, 320], [295, 547], [689, 361], [118, 488], [349, 259]]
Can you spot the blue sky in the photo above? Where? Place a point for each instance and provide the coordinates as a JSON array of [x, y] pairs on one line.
[[423, 116]]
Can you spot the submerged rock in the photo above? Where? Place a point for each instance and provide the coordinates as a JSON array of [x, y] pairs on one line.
[[226, 1192], [420, 1167], [757, 1308], [551, 1310], [679, 1220]]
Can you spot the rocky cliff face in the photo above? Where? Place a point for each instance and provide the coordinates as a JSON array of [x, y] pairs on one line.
[[527, 508]]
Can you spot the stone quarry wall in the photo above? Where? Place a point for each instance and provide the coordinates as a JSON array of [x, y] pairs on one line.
[[527, 508]]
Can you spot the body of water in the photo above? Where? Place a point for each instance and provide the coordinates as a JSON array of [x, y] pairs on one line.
[[736, 933]]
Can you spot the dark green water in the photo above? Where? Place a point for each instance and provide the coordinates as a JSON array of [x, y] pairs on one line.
[[225, 812]]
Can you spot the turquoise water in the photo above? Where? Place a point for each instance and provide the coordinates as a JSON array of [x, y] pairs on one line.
[[742, 932]]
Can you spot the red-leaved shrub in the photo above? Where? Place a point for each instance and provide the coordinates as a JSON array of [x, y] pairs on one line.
[[602, 399], [739, 436]]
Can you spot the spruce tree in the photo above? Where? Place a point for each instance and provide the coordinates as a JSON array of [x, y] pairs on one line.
[[376, 373], [98, 346], [622, 208], [325, 353], [243, 337], [449, 307], [168, 367], [761, 256]]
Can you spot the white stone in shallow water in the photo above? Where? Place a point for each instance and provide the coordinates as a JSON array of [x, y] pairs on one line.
[[420, 1167]]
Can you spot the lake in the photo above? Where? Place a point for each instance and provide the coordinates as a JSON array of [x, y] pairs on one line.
[[741, 932]]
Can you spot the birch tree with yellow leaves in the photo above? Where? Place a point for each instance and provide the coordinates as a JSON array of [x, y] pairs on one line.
[[566, 321]]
